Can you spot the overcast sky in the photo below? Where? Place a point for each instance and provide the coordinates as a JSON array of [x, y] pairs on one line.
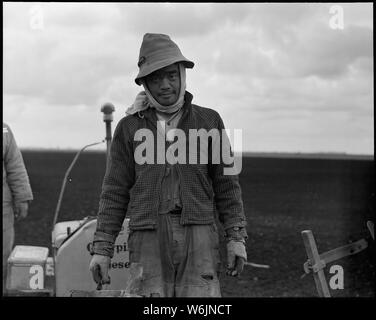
[[288, 75]]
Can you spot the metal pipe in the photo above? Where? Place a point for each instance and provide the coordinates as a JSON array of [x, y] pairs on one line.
[[107, 109], [59, 203], [66, 178]]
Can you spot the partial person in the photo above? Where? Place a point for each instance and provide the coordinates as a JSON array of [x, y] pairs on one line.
[[17, 193]]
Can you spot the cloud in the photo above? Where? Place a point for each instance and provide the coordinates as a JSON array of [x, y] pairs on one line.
[[36, 124], [328, 53], [80, 15], [275, 70], [180, 19], [62, 65]]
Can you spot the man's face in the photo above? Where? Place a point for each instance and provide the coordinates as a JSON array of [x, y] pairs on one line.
[[164, 84]]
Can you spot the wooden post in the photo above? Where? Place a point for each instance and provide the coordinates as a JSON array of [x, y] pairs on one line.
[[371, 229], [340, 252], [316, 263]]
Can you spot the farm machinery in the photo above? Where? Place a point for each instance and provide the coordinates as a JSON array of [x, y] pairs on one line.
[[64, 270]]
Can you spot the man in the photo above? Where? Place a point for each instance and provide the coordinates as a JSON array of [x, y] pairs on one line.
[[171, 206], [17, 192]]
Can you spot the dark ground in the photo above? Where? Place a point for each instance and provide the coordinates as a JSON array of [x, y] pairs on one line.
[[282, 197]]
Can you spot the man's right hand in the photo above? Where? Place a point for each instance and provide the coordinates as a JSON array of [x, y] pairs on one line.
[[99, 266], [21, 210]]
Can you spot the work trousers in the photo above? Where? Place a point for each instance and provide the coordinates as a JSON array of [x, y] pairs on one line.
[[177, 260]]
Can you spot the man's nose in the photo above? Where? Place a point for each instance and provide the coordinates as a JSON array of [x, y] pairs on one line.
[[165, 84]]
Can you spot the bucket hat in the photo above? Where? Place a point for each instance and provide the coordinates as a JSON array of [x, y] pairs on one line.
[[158, 51]]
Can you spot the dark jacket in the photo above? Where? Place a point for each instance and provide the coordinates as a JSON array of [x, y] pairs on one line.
[[134, 190]]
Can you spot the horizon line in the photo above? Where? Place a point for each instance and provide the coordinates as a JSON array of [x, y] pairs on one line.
[[272, 154]]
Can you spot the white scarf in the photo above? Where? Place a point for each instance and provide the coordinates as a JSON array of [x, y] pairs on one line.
[[145, 99]]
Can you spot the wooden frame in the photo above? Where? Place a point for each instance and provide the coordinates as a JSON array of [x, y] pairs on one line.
[[316, 262]]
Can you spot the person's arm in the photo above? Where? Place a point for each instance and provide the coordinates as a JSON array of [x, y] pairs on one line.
[[114, 199], [227, 190], [229, 203], [16, 174]]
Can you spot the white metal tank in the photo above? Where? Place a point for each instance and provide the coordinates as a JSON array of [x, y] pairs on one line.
[[71, 241]]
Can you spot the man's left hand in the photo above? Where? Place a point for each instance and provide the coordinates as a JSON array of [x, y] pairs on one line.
[[21, 210], [236, 257]]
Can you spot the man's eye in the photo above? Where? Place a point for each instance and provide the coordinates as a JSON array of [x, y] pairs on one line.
[[173, 76]]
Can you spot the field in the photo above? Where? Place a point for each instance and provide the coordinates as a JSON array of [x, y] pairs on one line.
[[282, 196]]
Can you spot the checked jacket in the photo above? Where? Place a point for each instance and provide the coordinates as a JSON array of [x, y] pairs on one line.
[[133, 190]]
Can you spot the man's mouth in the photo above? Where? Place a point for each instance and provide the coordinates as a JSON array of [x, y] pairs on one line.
[[166, 95]]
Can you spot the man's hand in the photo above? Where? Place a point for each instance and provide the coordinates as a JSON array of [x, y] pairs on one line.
[[99, 266], [236, 257], [21, 210]]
